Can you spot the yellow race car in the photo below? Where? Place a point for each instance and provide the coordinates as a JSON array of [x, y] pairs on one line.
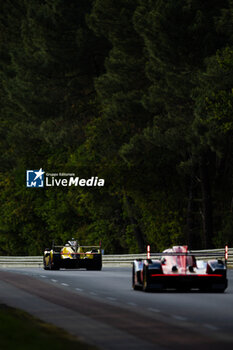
[[72, 256]]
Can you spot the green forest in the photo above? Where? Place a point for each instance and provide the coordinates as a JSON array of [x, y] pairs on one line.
[[137, 92]]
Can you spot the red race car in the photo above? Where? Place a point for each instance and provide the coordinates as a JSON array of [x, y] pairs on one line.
[[177, 268]]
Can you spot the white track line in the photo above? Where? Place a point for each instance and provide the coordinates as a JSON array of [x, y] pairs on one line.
[[209, 326], [111, 298], [65, 284], [153, 310], [179, 318]]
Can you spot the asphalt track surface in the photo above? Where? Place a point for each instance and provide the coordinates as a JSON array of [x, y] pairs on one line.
[[101, 308]]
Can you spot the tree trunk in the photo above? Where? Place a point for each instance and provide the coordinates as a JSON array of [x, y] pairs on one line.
[[207, 216], [134, 223], [189, 219]]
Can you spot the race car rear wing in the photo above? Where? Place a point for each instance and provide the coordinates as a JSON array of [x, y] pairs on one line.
[[76, 246], [189, 253], [222, 254], [79, 246]]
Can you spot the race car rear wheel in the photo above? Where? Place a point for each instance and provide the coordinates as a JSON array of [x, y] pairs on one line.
[[53, 265], [94, 265], [145, 285], [134, 285], [133, 278], [94, 268], [219, 290], [50, 264], [45, 266], [213, 290]]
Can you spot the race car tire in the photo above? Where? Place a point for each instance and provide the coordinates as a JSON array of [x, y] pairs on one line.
[[183, 289], [134, 286], [95, 264], [145, 284], [50, 264], [210, 290], [94, 268], [219, 291], [45, 266], [133, 278]]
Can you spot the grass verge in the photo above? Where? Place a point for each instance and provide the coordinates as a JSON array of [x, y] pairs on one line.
[[21, 331]]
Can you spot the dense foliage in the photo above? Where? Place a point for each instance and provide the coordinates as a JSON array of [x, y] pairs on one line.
[[137, 92]]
